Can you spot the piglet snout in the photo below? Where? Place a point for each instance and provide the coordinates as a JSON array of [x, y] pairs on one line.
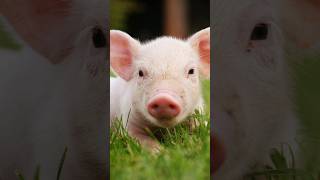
[[163, 106]]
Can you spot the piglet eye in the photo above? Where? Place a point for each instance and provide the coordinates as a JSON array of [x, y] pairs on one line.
[[260, 32], [191, 71], [141, 74], [98, 38]]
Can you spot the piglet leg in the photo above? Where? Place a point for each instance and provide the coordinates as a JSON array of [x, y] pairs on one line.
[[145, 137]]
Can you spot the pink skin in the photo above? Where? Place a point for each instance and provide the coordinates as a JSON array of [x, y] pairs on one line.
[[163, 107], [157, 95]]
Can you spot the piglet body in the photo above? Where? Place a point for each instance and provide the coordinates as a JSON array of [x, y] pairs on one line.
[[159, 81], [254, 108], [46, 107]]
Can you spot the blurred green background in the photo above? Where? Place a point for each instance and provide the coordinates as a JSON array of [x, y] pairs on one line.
[[147, 19], [6, 41], [306, 75]]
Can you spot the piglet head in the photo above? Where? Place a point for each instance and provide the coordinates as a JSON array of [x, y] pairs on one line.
[[162, 74]]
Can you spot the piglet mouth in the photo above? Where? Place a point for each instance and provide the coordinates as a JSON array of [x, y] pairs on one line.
[[217, 153]]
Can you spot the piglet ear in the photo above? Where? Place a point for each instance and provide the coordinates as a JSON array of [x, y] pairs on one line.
[[301, 22], [123, 49], [200, 42], [48, 26]]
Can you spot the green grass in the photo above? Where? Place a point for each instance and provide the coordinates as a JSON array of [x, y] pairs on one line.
[[185, 154], [283, 167]]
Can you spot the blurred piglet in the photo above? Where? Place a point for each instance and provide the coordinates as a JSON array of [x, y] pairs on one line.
[[53, 87], [158, 83], [255, 44]]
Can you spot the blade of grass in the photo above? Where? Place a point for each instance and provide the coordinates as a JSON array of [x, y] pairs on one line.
[[37, 173], [19, 175], [62, 163]]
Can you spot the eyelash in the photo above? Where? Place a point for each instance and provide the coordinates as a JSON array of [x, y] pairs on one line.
[[260, 32], [98, 38]]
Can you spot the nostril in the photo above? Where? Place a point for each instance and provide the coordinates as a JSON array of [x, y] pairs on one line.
[[154, 106], [172, 106], [163, 107]]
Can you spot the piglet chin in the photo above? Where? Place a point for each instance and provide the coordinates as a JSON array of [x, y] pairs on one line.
[[217, 152]]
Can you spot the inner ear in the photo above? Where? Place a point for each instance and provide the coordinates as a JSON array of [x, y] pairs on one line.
[[44, 25], [300, 23], [200, 42], [123, 49]]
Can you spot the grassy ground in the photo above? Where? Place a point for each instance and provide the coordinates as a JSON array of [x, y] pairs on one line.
[[186, 155]]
